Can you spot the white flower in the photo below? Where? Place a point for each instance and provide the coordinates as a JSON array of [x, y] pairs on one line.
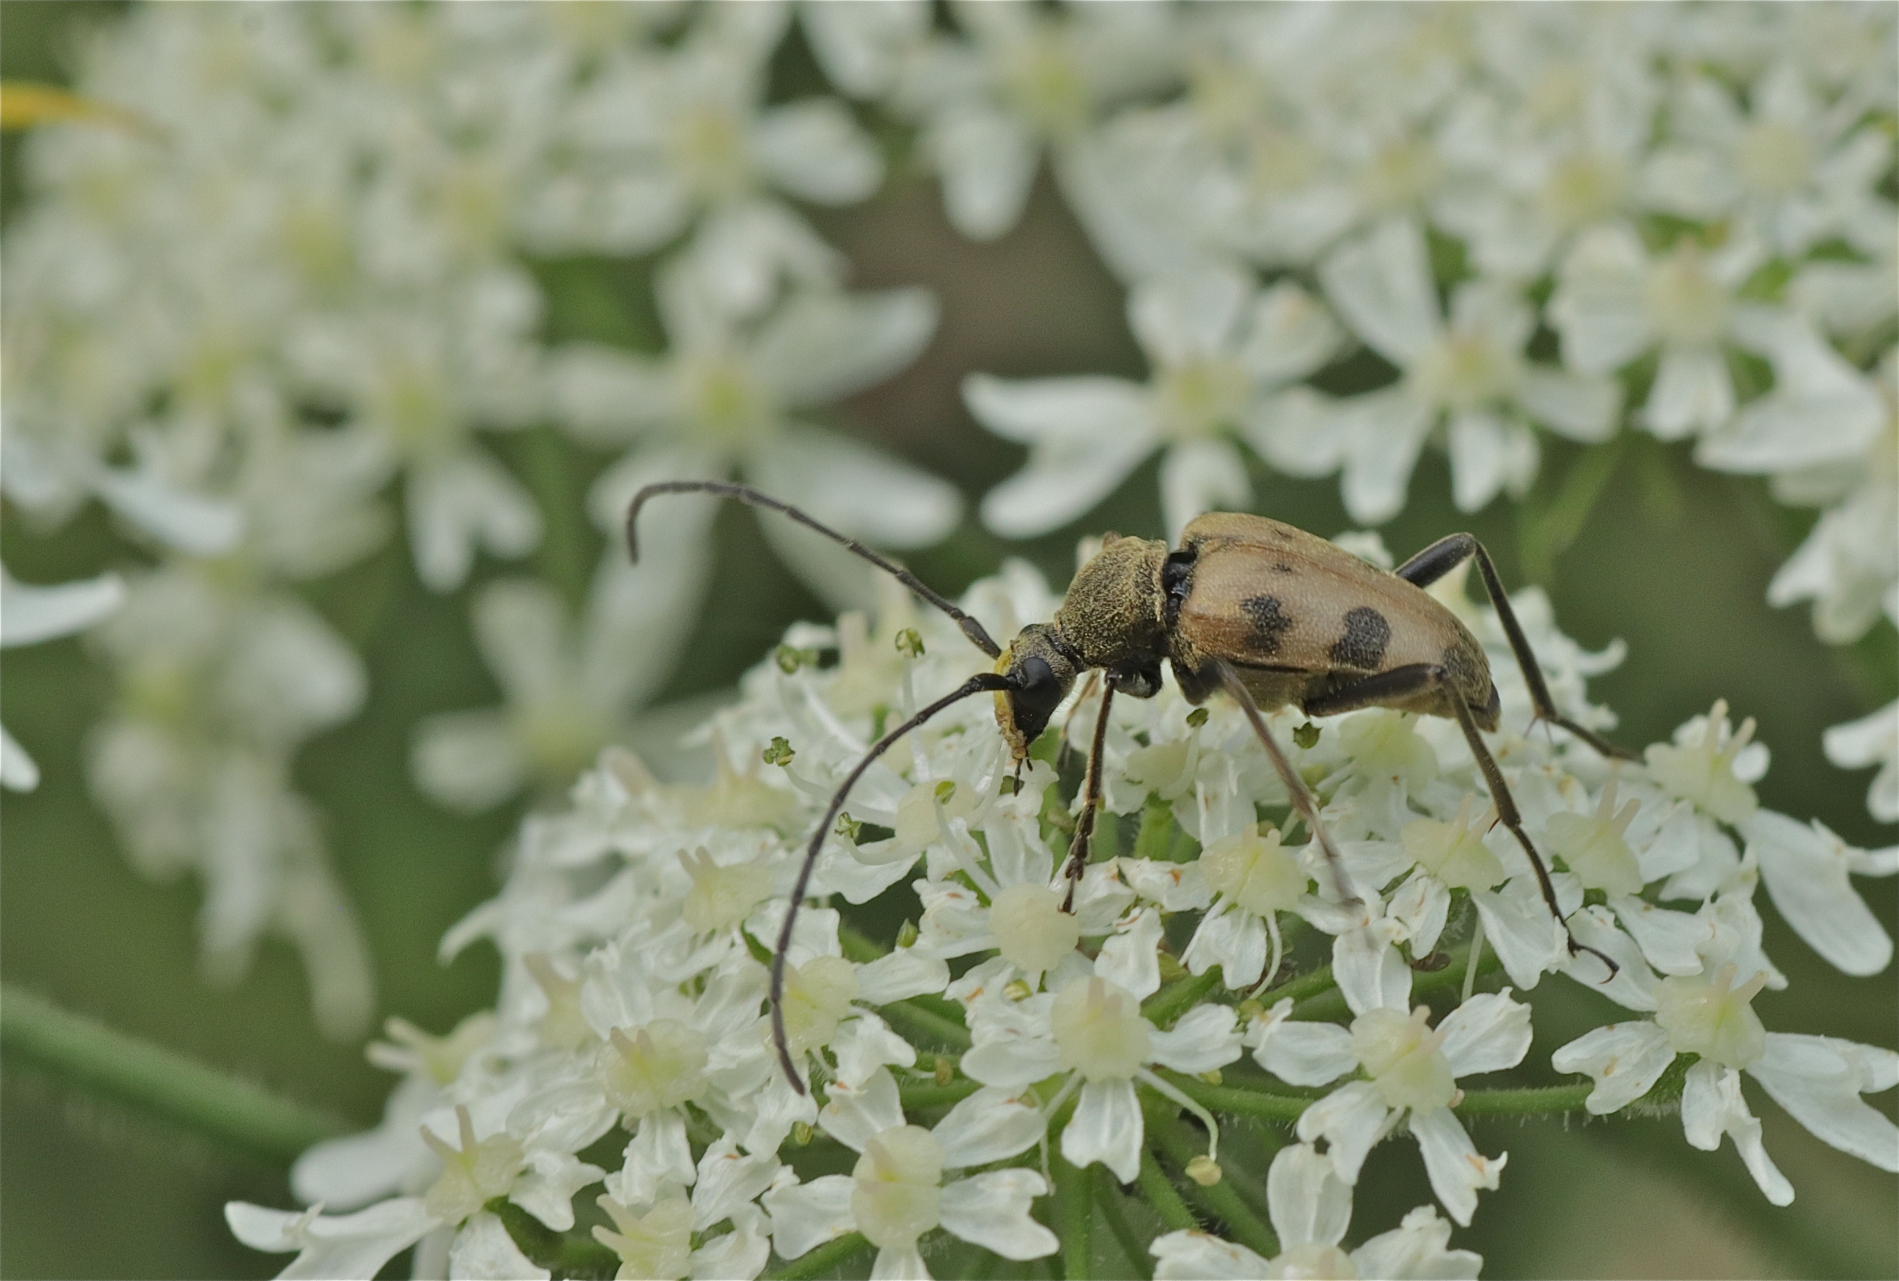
[[29, 615], [1817, 1079], [1472, 374], [1793, 166], [567, 697], [725, 398], [1613, 302], [1023, 80], [1217, 348], [1093, 1032], [1412, 1071], [897, 1193], [653, 1235], [1310, 1208]]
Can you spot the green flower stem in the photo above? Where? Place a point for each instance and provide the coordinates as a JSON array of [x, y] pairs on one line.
[[1181, 1146], [936, 1096], [1156, 835], [1535, 1100], [1108, 1199], [1074, 1216], [1301, 988], [565, 1254], [1239, 1100], [822, 1260], [858, 947], [912, 1018], [1176, 998], [204, 1100], [1162, 1195]]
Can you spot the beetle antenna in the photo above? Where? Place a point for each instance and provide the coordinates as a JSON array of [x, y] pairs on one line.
[[978, 635], [977, 684], [1302, 799]]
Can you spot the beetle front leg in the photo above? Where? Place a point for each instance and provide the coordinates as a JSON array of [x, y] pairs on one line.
[[1090, 801], [1418, 678], [1446, 554]]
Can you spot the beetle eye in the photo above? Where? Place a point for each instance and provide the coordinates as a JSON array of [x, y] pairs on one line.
[[1036, 698]]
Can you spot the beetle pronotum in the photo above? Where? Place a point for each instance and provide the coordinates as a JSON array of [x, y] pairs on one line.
[[1270, 614]]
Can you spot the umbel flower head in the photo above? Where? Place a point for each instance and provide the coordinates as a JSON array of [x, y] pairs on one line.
[[1003, 1033]]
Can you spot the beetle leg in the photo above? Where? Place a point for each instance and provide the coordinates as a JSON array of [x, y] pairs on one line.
[[1302, 799], [1446, 554], [1416, 678], [1090, 801]]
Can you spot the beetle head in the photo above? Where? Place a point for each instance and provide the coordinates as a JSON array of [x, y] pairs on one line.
[[1041, 668]]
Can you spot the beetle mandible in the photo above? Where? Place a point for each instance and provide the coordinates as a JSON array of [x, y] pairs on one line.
[[1269, 614]]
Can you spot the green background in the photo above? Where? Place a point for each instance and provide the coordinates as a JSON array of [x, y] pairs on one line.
[[1672, 559]]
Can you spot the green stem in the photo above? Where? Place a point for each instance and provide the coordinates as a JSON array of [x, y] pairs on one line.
[[910, 1016], [1074, 1214], [1300, 988], [202, 1099], [821, 1259], [1161, 1194], [1181, 1146], [1239, 1100], [857, 946], [1173, 1000], [1525, 1102], [1108, 1199], [936, 1096]]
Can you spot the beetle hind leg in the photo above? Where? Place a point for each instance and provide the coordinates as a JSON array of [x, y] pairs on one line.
[[1446, 554], [1421, 678]]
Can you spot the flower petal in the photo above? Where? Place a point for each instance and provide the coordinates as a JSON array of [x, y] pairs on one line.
[[1301, 1053], [483, 1249], [823, 345], [1819, 1086], [1200, 1256], [1805, 869], [990, 1125], [1305, 1198], [1106, 1127], [1203, 1039], [856, 1116], [1626, 1059], [1711, 1105], [815, 150], [1382, 286], [1351, 1119], [1457, 1170], [804, 1215], [1488, 1033], [992, 1210]]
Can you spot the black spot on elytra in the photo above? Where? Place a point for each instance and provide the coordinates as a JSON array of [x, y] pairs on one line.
[[1283, 567], [1268, 622], [1363, 645]]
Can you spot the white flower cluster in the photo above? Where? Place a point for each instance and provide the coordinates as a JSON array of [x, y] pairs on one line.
[[291, 266], [1525, 219], [630, 1048]]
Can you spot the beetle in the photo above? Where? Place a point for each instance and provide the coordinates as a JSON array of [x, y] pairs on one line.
[[1263, 611]]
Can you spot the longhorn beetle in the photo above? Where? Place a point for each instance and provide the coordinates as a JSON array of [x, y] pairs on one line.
[[1269, 614]]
